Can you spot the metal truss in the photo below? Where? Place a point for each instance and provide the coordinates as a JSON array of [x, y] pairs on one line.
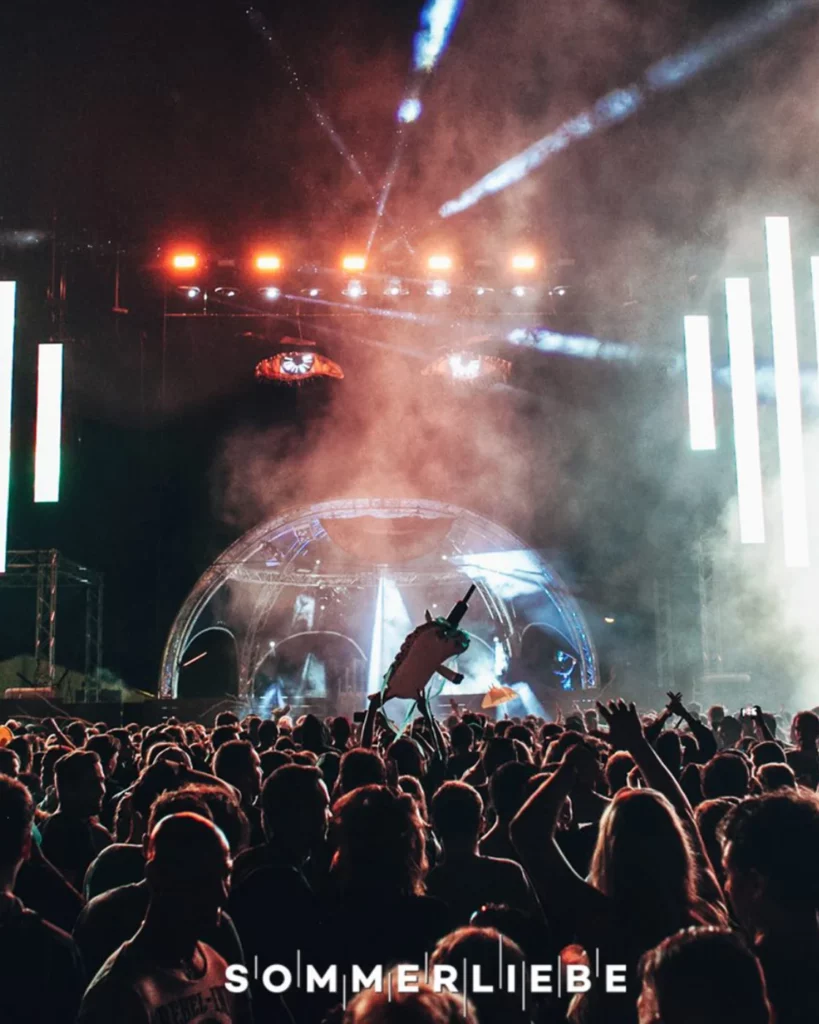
[[46, 572]]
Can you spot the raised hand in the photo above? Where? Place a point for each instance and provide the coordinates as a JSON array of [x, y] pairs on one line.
[[625, 728], [675, 704]]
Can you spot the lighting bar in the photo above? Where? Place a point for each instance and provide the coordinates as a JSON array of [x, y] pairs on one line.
[[354, 262], [8, 291], [700, 383], [184, 261], [814, 273], [746, 418], [788, 392], [49, 423]]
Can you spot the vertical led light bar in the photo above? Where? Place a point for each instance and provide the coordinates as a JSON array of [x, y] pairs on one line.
[[788, 392], [49, 423], [746, 417], [700, 384], [814, 273], [8, 291]]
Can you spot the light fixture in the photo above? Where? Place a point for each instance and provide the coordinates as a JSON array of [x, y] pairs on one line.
[[524, 261], [439, 289], [226, 292], [394, 288], [49, 423], [439, 262], [700, 383], [608, 619], [184, 261], [354, 261], [189, 291], [266, 262], [354, 290], [270, 293]]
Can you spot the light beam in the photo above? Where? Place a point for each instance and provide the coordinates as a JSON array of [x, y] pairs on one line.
[[667, 74]]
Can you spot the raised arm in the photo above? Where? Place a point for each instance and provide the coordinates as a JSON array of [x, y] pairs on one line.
[[706, 741], [567, 899]]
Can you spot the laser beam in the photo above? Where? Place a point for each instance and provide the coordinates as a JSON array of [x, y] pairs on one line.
[[665, 75], [438, 20]]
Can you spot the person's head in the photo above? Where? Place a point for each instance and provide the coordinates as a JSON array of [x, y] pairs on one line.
[[457, 816], [80, 783], [508, 789], [107, 746], [341, 731], [493, 954], [770, 851], [768, 752], [16, 816], [270, 760], [409, 784], [329, 764], [227, 718], [616, 772], [295, 805], [187, 867], [730, 731], [591, 720], [21, 745], [805, 728], [361, 767], [238, 763], [709, 815], [642, 848], [9, 762], [224, 734], [770, 777], [77, 733], [462, 738], [188, 799], [312, 734], [407, 756], [380, 842], [50, 757], [227, 815], [716, 713], [268, 734], [702, 976], [669, 750], [726, 774], [392, 1005], [499, 750]]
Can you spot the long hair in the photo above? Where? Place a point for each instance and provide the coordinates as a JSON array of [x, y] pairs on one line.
[[380, 842], [644, 863]]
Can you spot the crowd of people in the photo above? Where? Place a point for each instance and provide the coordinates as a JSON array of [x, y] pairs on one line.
[[141, 866]]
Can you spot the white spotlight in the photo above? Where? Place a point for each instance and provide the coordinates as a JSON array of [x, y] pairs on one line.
[[788, 392], [746, 419], [700, 384], [270, 293], [814, 273], [439, 289]]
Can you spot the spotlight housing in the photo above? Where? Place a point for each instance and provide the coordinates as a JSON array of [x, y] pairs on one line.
[[189, 291], [354, 290], [270, 293], [227, 291], [439, 289]]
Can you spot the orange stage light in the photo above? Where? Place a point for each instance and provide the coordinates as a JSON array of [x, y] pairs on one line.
[[524, 261], [267, 262], [353, 262], [184, 261]]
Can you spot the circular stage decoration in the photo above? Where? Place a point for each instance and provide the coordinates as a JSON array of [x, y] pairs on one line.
[[319, 599]]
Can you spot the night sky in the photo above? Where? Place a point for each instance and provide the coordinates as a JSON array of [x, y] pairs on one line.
[[134, 124]]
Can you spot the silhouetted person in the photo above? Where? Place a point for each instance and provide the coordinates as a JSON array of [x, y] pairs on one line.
[[165, 972], [41, 976]]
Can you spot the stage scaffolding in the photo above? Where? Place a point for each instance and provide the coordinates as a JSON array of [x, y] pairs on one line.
[[46, 572]]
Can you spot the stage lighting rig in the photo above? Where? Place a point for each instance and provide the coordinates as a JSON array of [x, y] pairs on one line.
[[297, 362], [468, 366]]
